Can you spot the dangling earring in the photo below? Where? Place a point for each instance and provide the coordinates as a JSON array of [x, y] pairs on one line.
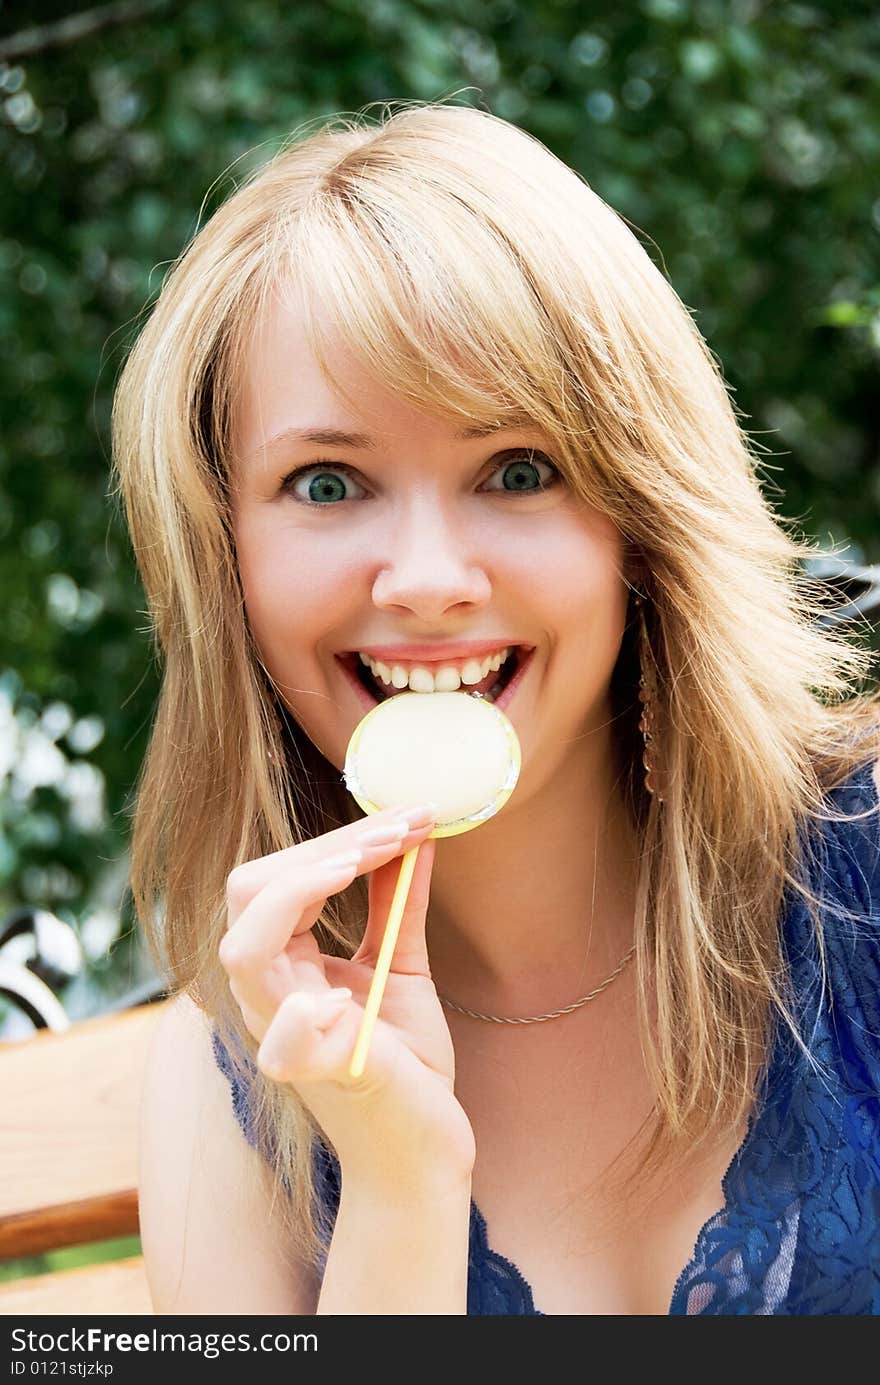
[[648, 699]]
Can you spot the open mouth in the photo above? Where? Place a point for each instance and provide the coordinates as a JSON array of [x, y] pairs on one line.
[[492, 687]]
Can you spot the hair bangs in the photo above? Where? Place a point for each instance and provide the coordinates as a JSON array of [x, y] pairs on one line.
[[436, 305]]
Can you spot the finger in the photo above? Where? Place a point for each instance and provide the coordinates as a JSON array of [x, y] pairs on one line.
[[292, 901], [411, 950], [289, 903], [295, 1047], [256, 1022], [247, 879], [310, 1043], [301, 967]]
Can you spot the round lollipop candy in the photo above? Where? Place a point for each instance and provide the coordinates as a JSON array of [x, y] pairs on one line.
[[451, 748]]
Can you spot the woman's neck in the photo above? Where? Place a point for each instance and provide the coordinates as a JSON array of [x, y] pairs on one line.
[[534, 908]]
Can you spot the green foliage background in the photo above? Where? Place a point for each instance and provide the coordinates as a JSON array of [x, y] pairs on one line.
[[741, 138]]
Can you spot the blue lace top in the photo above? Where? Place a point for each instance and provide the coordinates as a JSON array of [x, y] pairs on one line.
[[799, 1231]]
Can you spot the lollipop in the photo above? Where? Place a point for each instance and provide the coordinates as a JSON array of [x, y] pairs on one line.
[[451, 748]]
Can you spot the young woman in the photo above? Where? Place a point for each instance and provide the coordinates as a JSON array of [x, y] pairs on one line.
[[416, 399]]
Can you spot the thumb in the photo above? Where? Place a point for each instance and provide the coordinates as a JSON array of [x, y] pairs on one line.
[[411, 949]]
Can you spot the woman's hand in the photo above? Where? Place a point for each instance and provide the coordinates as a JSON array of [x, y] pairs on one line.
[[399, 1124]]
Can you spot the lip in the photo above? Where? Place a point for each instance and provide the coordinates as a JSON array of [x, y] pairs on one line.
[[525, 659], [348, 665], [438, 653]]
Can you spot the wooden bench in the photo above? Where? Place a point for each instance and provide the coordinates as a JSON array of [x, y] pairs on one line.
[[69, 1160]]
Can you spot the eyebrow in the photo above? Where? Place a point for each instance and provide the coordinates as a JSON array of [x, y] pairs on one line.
[[335, 437]]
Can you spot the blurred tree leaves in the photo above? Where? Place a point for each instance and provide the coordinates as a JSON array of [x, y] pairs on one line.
[[741, 138]]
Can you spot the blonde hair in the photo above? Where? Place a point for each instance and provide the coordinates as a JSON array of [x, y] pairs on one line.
[[489, 282]]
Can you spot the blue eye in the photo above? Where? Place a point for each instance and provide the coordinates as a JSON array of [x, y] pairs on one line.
[[326, 485], [522, 466]]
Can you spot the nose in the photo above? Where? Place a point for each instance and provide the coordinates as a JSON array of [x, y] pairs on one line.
[[433, 564]]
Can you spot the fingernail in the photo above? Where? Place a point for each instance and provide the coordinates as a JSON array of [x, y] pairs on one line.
[[337, 995], [421, 813]]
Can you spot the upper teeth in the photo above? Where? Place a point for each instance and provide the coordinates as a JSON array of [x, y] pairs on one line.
[[448, 678]]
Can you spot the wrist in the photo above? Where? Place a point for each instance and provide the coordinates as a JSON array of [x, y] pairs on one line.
[[400, 1248], [401, 1189]]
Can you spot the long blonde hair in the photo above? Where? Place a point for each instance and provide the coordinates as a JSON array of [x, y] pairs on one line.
[[483, 279]]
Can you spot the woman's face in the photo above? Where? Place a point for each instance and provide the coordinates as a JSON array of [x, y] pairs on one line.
[[416, 535]]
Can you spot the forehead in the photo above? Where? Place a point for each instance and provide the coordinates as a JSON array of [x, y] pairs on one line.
[[280, 369]]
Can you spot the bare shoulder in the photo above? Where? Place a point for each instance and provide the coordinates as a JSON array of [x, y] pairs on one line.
[[209, 1243]]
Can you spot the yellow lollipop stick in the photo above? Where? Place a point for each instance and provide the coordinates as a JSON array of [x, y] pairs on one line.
[[451, 748], [383, 964]]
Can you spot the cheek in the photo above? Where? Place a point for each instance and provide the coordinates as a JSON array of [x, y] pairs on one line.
[[585, 598], [575, 575], [292, 592]]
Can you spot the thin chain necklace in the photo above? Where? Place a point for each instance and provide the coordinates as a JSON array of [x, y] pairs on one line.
[[538, 1019]]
